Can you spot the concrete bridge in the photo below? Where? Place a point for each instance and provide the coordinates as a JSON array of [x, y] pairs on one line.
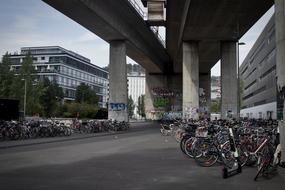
[[198, 34]]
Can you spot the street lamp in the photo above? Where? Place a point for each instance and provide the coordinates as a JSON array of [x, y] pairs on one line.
[[238, 102], [25, 97]]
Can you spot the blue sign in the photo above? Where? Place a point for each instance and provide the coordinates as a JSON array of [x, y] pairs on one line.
[[118, 106]]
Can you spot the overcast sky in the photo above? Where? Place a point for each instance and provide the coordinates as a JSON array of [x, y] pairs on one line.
[[34, 23]]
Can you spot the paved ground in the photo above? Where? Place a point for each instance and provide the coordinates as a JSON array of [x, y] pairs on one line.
[[141, 159]]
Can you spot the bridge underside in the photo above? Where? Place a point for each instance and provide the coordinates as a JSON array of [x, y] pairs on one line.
[[209, 22], [118, 21]]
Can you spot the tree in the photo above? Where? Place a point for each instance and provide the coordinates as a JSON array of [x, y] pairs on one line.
[[6, 77], [84, 94], [131, 107], [50, 95], [141, 107], [215, 107]]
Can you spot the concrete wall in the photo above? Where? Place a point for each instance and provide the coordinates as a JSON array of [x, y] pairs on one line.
[[261, 111], [152, 82]]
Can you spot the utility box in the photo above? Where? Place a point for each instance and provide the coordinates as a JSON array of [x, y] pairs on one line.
[[9, 109], [155, 12]]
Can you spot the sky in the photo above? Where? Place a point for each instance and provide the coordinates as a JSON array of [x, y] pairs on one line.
[[34, 23]]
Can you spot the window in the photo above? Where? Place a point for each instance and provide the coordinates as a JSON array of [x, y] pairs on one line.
[[42, 58], [251, 84], [250, 73], [268, 72]]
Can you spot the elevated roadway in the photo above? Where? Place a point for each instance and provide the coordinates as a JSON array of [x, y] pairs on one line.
[[118, 21]]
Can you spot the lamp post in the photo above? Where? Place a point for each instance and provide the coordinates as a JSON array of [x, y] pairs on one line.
[[25, 97], [238, 82]]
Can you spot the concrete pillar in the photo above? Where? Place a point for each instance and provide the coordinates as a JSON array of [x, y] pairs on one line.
[[205, 94], [229, 80], [153, 83], [280, 59], [118, 94], [190, 79]]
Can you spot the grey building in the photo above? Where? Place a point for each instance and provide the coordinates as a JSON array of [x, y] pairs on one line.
[[67, 69], [258, 77]]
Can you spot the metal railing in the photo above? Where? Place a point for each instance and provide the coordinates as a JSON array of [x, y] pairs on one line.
[[135, 4], [143, 14]]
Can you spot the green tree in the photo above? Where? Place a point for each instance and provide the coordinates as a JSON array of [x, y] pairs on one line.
[[131, 107], [51, 94], [215, 107], [13, 83], [6, 77], [141, 107], [84, 94]]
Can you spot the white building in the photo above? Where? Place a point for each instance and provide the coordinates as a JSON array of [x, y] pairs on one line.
[[136, 88]]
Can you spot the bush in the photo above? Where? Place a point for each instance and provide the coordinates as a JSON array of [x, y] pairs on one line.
[[79, 110]]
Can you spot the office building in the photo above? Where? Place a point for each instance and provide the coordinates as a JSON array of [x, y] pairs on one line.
[[67, 69], [258, 77]]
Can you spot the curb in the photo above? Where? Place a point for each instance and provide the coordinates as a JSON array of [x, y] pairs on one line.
[[60, 140]]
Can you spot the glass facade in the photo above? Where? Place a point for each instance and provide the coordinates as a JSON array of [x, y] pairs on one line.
[[68, 69]]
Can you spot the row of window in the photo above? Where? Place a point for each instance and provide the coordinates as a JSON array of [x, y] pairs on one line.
[[74, 83], [69, 93], [83, 76], [267, 59], [78, 65], [254, 93]]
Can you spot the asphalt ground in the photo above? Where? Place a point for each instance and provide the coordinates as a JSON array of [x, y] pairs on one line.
[[136, 160]]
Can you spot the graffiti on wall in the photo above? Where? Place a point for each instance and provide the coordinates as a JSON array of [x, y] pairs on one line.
[[165, 101], [165, 98], [190, 111], [160, 102], [203, 104], [118, 106]]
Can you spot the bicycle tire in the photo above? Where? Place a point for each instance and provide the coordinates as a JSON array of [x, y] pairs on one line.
[[188, 147], [203, 156]]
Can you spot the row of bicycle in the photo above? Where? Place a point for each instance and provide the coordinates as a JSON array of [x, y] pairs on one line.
[[14, 130], [231, 144]]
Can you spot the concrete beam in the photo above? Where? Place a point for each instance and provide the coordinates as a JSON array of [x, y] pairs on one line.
[[190, 96], [229, 80], [280, 60], [118, 94]]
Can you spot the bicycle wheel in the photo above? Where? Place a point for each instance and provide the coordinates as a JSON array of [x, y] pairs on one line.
[[178, 135], [243, 155], [188, 147], [227, 156], [264, 161], [205, 153], [260, 170], [182, 144]]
